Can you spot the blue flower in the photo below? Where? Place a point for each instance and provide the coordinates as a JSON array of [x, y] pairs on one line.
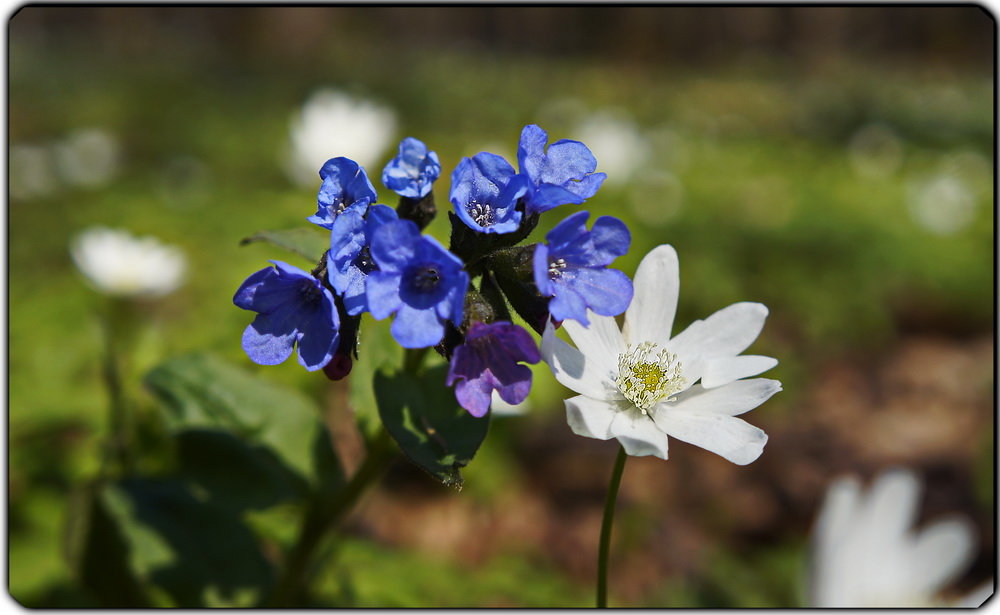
[[418, 280], [565, 174], [349, 260], [293, 308], [488, 361], [484, 191], [344, 184], [572, 268], [413, 170]]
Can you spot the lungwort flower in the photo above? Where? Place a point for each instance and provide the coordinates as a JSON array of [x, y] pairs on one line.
[[866, 554], [561, 175], [484, 191], [118, 264], [488, 361], [418, 280], [349, 261], [344, 184], [572, 268], [412, 172], [640, 385], [293, 308]]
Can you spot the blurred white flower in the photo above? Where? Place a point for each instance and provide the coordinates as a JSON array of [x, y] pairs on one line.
[[875, 151], [87, 158], [640, 385], [332, 124], [498, 407], [617, 143], [117, 263], [865, 553], [942, 203], [31, 171]]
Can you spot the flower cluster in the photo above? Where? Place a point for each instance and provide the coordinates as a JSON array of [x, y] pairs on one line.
[[460, 300]]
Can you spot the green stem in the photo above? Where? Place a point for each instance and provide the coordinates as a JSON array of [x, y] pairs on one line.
[[117, 447], [325, 513], [323, 516], [609, 515]]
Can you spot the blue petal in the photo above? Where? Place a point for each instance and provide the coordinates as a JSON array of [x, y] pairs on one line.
[[567, 160], [540, 268], [547, 196], [570, 230], [393, 244], [382, 293], [607, 292], [415, 328], [347, 238], [531, 150], [244, 296], [568, 304], [586, 187], [611, 239], [269, 338], [318, 335]]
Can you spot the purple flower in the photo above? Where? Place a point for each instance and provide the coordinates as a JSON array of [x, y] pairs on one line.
[[413, 170], [344, 184], [488, 361], [418, 280], [484, 191], [293, 308], [349, 261], [572, 268], [565, 174]]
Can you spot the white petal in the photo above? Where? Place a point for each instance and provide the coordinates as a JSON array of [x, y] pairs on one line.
[[728, 436], [650, 316], [730, 400], [831, 567], [576, 371], [891, 509], [590, 418], [638, 434], [940, 553], [725, 333], [601, 342], [718, 372]]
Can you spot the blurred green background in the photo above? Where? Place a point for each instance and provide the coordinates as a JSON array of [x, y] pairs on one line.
[[835, 164]]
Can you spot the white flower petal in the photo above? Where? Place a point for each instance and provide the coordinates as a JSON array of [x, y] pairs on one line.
[[576, 371], [650, 316], [590, 418], [891, 508], [720, 371], [638, 435], [729, 400], [728, 436], [831, 569], [601, 342], [940, 553], [725, 333]]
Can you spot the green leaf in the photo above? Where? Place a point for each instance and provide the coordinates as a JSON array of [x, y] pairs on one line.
[[191, 548], [421, 414], [305, 242], [202, 391], [376, 350], [234, 474], [98, 553]]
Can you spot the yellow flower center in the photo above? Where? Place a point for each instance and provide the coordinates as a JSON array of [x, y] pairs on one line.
[[648, 374]]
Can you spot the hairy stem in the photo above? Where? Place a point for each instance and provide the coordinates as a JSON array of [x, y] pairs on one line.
[[609, 515]]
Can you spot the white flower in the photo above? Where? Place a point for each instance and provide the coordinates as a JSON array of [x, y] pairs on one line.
[[640, 385], [865, 554], [116, 263], [88, 157], [617, 143], [333, 124]]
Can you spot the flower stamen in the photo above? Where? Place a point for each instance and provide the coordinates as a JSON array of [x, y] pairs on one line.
[[648, 374], [556, 267]]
